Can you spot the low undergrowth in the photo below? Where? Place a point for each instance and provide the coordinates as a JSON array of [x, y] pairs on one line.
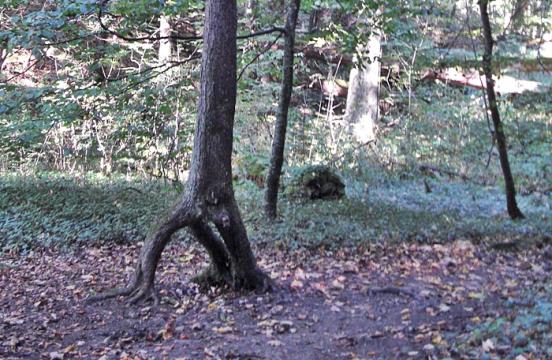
[[524, 327], [74, 212], [54, 209], [400, 211]]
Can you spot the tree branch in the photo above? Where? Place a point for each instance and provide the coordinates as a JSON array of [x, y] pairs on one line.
[[21, 73], [259, 55], [175, 64], [271, 30]]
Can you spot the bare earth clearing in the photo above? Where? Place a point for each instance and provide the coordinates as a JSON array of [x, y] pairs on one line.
[[382, 301]]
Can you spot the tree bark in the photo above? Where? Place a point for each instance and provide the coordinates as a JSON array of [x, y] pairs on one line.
[[165, 45], [209, 195], [513, 210], [279, 141], [313, 20], [363, 96], [251, 9], [3, 56]]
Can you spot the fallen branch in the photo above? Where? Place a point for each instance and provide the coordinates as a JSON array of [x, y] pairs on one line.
[[268, 47], [506, 246], [471, 78], [393, 290], [450, 173]]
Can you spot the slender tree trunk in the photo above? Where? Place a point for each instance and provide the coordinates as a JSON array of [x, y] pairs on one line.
[[363, 97], [509, 185], [2, 57], [516, 19], [313, 20], [279, 141], [251, 10], [209, 195]]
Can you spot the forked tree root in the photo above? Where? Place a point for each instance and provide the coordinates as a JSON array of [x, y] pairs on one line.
[[109, 294], [143, 294], [139, 291], [232, 261]]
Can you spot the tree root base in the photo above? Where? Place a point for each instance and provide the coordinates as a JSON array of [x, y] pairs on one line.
[[210, 277], [256, 281], [134, 294]]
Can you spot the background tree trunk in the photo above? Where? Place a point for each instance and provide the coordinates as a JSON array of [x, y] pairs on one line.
[[279, 141], [363, 97], [516, 19], [251, 10], [165, 45], [509, 185], [313, 20], [3, 55]]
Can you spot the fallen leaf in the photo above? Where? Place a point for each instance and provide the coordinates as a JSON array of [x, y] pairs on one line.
[[476, 295], [488, 345], [70, 348], [377, 334], [197, 326], [429, 347], [56, 355], [223, 329], [296, 284]]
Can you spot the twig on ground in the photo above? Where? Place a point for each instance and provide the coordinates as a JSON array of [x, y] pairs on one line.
[[393, 290], [450, 173]]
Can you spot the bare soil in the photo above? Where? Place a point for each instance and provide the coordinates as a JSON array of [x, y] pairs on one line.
[[379, 302]]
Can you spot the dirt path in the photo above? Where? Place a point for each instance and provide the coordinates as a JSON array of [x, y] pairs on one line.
[[400, 301]]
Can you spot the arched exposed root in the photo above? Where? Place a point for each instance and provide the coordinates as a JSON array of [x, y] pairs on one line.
[[110, 294], [126, 291], [218, 273], [141, 286], [137, 291], [134, 293]]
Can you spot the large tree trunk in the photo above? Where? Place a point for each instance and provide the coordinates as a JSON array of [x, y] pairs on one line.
[[362, 99], [279, 141], [209, 196], [509, 185]]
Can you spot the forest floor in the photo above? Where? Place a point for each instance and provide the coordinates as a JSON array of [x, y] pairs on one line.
[[375, 301]]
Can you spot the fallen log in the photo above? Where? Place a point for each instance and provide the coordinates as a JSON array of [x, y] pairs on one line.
[[504, 84]]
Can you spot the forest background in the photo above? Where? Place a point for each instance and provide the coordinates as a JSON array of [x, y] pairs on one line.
[[98, 103]]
